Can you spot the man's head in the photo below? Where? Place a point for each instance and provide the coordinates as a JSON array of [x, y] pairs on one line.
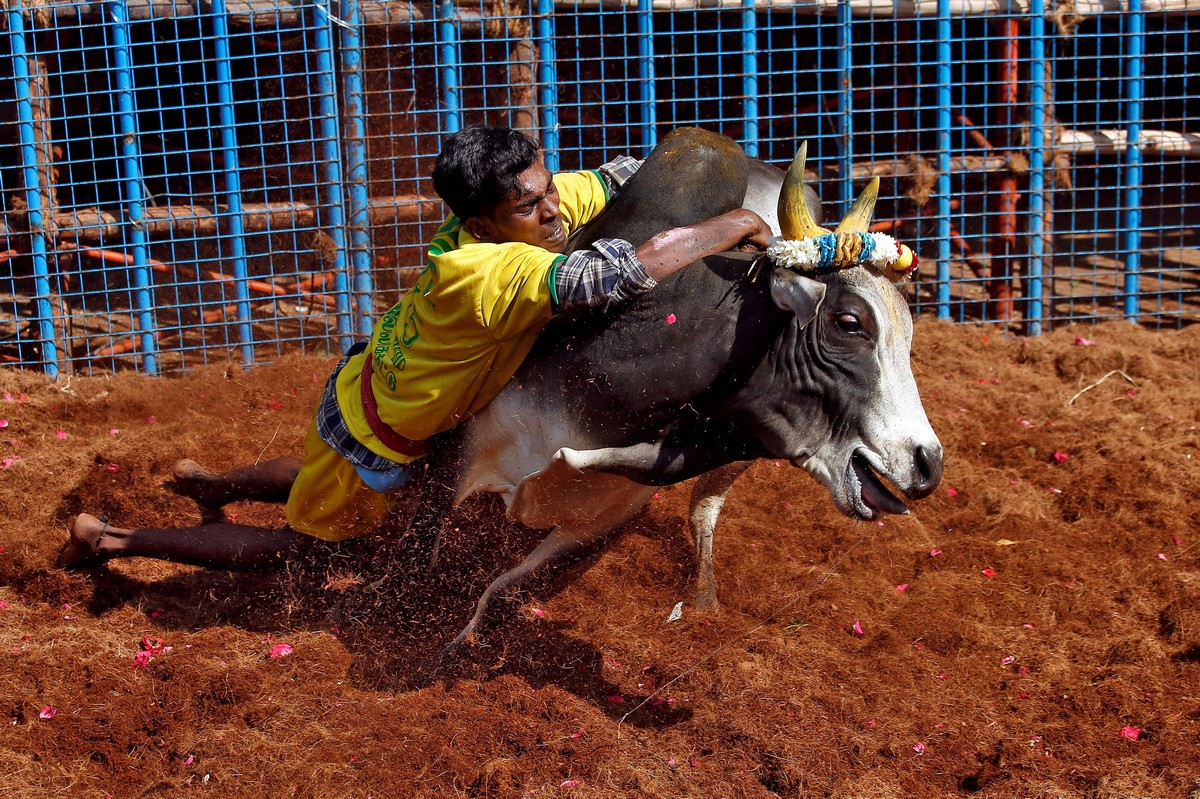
[[492, 179]]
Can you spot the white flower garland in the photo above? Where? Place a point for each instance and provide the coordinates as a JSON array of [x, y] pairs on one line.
[[811, 254]]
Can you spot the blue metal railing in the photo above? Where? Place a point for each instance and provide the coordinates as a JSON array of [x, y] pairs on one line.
[[154, 221]]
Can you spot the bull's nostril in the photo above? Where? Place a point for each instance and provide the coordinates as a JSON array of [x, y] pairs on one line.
[[929, 466], [922, 458]]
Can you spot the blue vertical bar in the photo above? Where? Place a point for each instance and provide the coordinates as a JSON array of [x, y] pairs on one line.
[[131, 167], [1037, 166], [446, 31], [1134, 81], [645, 39], [750, 77], [43, 309], [233, 179], [943, 158], [845, 104], [331, 158], [547, 72], [358, 212]]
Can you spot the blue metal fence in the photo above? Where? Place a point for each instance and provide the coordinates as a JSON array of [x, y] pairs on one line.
[[188, 182]]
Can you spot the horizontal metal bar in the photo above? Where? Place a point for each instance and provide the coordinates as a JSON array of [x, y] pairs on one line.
[[263, 14], [892, 8], [268, 14], [1114, 142], [95, 224]]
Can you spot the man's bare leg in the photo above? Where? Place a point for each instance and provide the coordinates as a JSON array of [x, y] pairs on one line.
[[261, 482], [221, 545]]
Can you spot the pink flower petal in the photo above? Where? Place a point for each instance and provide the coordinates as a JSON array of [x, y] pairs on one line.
[[8, 397], [3, 423], [191, 759], [1060, 457], [989, 572], [3, 604], [919, 748], [142, 659], [1080, 341], [281, 650], [47, 712], [60, 435], [1007, 660], [569, 783], [114, 431], [900, 589], [151, 420], [1132, 733], [671, 319], [933, 553], [950, 492], [9, 461], [858, 630]]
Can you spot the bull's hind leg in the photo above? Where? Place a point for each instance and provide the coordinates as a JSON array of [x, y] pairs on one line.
[[559, 546], [708, 497]]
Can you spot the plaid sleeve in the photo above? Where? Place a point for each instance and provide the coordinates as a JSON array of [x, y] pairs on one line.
[[617, 171], [608, 273]]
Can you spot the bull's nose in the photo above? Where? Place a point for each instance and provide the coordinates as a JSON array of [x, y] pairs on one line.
[[928, 463]]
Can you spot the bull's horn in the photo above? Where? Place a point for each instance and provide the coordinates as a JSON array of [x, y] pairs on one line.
[[795, 221], [858, 218]]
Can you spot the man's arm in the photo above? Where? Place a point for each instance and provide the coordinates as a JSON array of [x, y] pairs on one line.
[[613, 271], [671, 250]]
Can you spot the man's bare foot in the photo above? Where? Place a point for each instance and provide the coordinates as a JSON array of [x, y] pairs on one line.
[[193, 481], [83, 549]]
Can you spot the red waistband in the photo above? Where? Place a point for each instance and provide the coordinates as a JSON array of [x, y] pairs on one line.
[[390, 438]]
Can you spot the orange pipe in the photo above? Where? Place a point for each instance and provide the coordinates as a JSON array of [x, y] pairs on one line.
[[258, 286]]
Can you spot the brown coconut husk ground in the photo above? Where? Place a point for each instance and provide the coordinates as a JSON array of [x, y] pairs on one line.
[[1047, 642]]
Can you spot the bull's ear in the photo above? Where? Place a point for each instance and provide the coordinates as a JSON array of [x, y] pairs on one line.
[[794, 292]]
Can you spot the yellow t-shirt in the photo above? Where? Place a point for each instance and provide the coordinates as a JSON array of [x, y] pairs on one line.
[[458, 335]]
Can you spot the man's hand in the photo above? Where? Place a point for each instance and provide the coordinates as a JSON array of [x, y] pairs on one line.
[[756, 239], [666, 253]]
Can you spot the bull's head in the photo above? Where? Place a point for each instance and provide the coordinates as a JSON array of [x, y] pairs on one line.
[[858, 425]]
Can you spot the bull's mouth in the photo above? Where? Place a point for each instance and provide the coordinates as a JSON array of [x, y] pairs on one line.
[[867, 490]]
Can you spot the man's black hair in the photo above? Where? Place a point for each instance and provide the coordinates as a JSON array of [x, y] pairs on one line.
[[478, 168]]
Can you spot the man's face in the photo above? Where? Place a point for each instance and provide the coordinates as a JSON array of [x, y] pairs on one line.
[[530, 216]]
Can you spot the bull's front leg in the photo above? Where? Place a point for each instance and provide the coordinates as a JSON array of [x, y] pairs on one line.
[[708, 497]]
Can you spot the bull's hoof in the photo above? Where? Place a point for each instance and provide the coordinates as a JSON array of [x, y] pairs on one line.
[[706, 605]]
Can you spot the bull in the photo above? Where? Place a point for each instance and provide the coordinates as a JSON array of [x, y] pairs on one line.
[[726, 361]]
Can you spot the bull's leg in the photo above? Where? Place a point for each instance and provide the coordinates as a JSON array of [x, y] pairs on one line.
[[560, 545], [708, 497]]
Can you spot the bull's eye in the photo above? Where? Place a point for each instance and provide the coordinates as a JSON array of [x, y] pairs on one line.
[[848, 323]]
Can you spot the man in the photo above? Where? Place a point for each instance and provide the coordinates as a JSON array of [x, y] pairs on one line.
[[495, 275]]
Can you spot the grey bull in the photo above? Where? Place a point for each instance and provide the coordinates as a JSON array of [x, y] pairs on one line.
[[726, 361]]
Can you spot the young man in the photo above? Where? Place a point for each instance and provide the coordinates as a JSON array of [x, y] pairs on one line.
[[496, 274]]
